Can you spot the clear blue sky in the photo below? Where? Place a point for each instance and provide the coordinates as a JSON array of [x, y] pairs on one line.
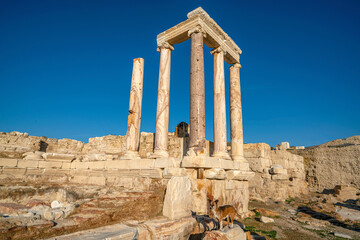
[[65, 66]]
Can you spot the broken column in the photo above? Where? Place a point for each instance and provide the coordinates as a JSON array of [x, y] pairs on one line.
[[134, 118], [197, 93], [237, 148], [220, 141], [162, 112]]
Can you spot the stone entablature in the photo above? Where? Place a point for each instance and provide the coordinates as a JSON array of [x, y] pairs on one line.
[[214, 36]]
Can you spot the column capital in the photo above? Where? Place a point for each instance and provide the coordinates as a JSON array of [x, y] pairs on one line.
[[164, 45], [197, 29], [217, 50], [236, 65]]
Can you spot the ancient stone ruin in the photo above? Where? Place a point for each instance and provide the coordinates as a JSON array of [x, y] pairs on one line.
[[148, 184]]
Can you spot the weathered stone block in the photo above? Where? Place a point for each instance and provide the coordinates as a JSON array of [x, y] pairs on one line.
[[226, 164], [239, 175], [80, 165], [59, 156], [15, 172], [28, 163], [118, 164], [215, 173], [257, 150], [95, 157], [96, 165], [167, 163], [66, 165], [200, 162], [96, 180], [177, 203], [8, 162], [244, 166], [174, 172], [151, 173], [279, 177], [50, 164]]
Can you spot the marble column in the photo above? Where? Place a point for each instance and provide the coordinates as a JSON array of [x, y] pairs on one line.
[[197, 145], [220, 140], [162, 112], [237, 148], [134, 118]]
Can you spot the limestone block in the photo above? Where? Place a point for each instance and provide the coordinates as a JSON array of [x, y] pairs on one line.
[[50, 164], [258, 164], [96, 164], [151, 173], [279, 177], [117, 164], [344, 193], [177, 203], [59, 156], [95, 157], [200, 162], [200, 189], [141, 163], [28, 163], [277, 169], [226, 164], [66, 165], [244, 166], [239, 175], [80, 165], [174, 172], [215, 173], [266, 219], [14, 172], [235, 233], [96, 180], [36, 155], [256, 150], [167, 163], [8, 162]]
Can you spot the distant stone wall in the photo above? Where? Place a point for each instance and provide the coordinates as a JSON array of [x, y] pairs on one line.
[[278, 173], [333, 163]]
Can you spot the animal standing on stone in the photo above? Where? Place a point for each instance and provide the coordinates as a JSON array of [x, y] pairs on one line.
[[222, 212], [208, 223]]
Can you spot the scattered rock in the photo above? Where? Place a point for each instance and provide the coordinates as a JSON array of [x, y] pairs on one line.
[[56, 204], [343, 235], [267, 212], [344, 193], [235, 233], [266, 219]]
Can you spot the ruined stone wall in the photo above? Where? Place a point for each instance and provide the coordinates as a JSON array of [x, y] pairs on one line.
[[278, 173], [69, 162], [333, 163]]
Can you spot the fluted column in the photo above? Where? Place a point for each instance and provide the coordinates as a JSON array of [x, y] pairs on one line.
[[162, 112], [135, 103], [197, 145], [237, 148], [220, 140]]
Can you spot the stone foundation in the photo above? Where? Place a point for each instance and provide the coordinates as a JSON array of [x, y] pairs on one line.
[[99, 163]]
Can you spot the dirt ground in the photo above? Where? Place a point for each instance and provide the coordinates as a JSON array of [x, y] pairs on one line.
[[317, 216]]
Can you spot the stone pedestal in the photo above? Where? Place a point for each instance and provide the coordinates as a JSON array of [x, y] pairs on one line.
[[197, 94], [162, 112], [220, 141], [237, 148], [135, 103]]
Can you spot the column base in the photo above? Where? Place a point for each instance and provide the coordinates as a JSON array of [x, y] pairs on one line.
[[222, 155], [130, 155], [159, 154], [239, 158]]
